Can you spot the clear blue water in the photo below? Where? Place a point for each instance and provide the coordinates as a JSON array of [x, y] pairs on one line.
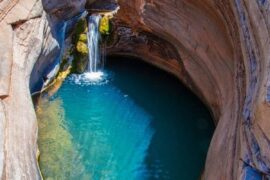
[[140, 123]]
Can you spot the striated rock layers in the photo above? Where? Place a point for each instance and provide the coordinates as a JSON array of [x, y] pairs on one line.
[[29, 38], [221, 51]]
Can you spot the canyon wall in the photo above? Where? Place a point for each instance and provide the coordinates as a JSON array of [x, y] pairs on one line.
[[220, 50], [30, 46]]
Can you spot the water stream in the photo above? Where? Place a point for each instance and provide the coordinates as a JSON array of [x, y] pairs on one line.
[[95, 63]]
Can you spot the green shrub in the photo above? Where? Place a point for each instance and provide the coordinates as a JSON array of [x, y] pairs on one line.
[[104, 26], [82, 48], [83, 38], [79, 50]]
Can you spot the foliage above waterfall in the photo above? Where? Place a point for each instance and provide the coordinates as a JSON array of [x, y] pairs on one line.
[[104, 26]]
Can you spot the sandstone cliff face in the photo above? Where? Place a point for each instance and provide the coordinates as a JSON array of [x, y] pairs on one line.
[[221, 50], [18, 125], [30, 44]]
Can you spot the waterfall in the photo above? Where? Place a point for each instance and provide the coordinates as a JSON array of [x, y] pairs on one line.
[[94, 74], [93, 37]]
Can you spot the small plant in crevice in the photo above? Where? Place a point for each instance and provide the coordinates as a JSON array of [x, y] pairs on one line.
[[106, 32], [105, 25]]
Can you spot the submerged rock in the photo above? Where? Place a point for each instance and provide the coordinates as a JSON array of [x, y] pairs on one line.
[[56, 142]]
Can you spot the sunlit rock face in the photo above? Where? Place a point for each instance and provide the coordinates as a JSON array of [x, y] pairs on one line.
[[27, 35], [220, 49]]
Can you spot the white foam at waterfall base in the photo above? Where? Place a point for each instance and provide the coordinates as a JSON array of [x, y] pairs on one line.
[[94, 76], [90, 78]]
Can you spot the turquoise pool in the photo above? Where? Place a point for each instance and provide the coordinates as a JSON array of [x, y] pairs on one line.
[[138, 122]]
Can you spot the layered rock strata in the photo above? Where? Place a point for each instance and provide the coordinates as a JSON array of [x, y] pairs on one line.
[[29, 44], [220, 50]]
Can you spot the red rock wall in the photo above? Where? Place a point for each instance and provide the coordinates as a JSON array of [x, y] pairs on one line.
[[220, 49]]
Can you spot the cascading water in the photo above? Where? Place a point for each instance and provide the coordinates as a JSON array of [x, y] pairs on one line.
[[93, 37]]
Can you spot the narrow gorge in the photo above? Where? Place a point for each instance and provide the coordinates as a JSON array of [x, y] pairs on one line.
[[169, 89]]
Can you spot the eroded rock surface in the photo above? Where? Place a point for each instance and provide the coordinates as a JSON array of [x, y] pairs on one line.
[[222, 53], [28, 35], [219, 49]]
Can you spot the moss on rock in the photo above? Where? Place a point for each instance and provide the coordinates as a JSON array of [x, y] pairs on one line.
[[79, 51], [83, 38], [80, 28], [104, 26], [79, 48], [82, 48]]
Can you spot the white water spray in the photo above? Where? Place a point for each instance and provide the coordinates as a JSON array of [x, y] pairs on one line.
[[93, 38]]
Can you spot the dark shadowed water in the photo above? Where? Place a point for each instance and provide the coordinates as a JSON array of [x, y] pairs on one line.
[[137, 123]]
